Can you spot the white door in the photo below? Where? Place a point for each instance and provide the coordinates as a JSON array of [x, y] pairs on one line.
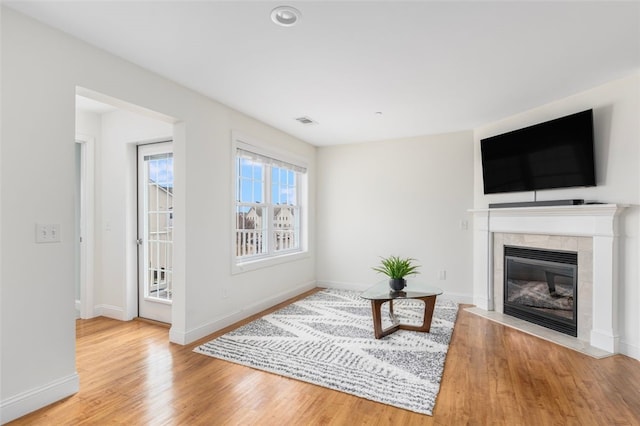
[[155, 231]]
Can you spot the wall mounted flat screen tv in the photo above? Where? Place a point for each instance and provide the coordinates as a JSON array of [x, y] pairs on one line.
[[553, 154]]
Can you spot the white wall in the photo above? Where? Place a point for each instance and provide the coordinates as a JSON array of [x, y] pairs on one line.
[[41, 69], [403, 197], [89, 124], [616, 107], [38, 175]]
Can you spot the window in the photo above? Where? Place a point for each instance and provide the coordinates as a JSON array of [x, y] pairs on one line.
[[268, 211]]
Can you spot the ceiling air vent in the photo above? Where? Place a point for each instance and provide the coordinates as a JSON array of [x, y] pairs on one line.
[[305, 120]]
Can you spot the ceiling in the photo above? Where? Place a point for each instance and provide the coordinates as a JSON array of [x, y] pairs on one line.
[[362, 70]]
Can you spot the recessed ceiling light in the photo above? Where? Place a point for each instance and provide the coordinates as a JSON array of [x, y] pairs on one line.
[[285, 16]]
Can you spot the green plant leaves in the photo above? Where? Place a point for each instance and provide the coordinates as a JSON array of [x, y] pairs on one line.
[[396, 267]]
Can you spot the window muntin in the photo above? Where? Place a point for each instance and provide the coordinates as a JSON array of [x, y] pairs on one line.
[[268, 211]]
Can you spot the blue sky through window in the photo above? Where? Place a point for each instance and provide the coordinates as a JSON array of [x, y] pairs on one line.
[[283, 186], [161, 170], [249, 188], [250, 184]]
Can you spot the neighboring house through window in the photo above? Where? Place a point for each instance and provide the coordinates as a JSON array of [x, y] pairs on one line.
[[268, 208]]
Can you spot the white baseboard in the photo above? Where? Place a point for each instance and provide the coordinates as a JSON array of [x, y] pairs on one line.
[[110, 311], [463, 298], [34, 399], [343, 286], [629, 350], [184, 338]]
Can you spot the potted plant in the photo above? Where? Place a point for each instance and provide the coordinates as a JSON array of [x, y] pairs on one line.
[[396, 268]]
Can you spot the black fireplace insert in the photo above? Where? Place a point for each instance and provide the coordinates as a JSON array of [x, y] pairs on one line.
[[541, 286]]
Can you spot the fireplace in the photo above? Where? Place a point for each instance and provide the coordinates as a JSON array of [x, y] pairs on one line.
[[541, 286], [591, 230]]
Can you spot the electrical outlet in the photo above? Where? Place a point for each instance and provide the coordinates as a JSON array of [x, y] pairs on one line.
[[464, 225], [225, 293], [442, 275]]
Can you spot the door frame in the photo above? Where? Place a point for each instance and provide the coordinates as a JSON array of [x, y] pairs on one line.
[[87, 224]]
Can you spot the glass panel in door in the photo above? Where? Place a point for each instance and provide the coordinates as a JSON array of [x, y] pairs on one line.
[[155, 199]]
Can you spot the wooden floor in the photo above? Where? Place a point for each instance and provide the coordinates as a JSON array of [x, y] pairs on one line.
[[130, 374]]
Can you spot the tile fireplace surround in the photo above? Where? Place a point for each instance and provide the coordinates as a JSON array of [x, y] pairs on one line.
[[589, 230]]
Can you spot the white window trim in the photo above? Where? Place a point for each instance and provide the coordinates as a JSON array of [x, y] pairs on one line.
[[247, 143]]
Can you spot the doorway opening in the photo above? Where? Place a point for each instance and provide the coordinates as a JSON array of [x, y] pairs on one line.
[[114, 129]]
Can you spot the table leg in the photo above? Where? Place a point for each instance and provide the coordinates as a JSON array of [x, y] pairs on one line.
[[376, 308], [429, 306]]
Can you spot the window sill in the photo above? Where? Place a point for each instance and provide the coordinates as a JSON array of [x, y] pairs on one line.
[[252, 265], [156, 300]]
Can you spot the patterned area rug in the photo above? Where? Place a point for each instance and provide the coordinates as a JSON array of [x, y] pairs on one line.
[[327, 339]]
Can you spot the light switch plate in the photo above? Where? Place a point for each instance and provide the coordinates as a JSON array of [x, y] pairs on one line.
[[47, 233]]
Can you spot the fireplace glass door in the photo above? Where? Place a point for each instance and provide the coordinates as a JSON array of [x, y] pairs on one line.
[[541, 287]]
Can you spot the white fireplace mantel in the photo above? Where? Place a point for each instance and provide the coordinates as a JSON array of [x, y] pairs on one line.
[[597, 221]]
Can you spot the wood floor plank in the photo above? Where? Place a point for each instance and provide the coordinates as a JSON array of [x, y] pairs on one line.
[[130, 374]]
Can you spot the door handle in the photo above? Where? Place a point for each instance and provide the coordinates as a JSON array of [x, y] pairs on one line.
[[139, 241]]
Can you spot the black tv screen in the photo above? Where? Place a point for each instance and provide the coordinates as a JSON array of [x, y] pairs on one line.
[[553, 154]]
